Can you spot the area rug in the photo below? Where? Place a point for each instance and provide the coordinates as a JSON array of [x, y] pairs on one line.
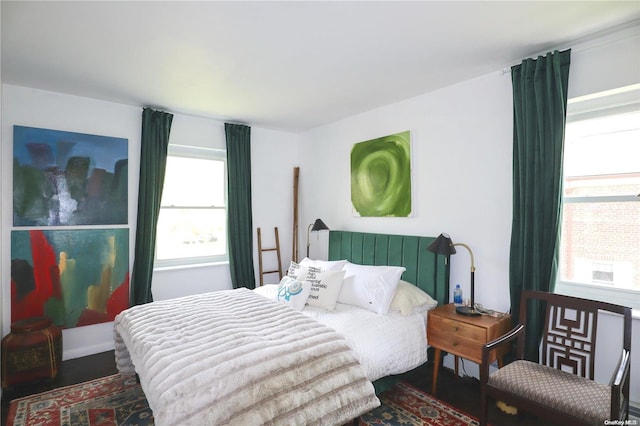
[[112, 400], [404, 405], [119, 400]]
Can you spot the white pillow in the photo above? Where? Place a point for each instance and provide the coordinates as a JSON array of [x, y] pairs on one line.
[[409, 299], [325, 265], [293, 292], [270, 291], [325, 288], [298, 271], [370, 287]]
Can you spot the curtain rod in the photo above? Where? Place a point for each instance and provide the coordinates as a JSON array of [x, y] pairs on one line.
[[591, 41]]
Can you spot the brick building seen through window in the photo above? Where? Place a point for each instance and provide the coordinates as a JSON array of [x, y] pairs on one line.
[[600, 235], [601, 240]]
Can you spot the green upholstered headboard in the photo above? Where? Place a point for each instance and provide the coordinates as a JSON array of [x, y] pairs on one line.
[[425, 269]]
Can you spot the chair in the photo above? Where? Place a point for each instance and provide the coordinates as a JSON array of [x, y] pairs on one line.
[[561, 387]]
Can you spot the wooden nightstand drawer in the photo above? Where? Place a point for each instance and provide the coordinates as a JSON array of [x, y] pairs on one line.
[[457, 328], [457, 345]]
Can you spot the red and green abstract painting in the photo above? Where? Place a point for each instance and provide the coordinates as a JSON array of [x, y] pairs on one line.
[[75, 277], [66, 178]]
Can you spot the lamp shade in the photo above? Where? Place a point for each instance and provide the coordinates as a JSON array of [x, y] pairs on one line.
[[319, 225], [442, 245]]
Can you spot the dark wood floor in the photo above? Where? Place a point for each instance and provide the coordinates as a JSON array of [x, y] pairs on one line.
[[463, 394]]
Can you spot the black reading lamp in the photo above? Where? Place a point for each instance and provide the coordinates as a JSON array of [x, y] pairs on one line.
[[443, 245], [318, 225]]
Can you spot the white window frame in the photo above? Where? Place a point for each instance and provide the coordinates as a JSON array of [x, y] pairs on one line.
[[612, 102], [207, 154]]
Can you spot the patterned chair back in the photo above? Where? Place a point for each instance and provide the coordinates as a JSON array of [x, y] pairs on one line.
[[568, 341]]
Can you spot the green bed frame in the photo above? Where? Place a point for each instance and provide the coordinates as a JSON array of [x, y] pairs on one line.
[[425, 269]]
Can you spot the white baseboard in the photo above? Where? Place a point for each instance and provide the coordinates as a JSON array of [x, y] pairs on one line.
[[87, 350]]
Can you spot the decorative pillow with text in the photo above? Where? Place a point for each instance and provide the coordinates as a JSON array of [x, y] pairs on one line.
[[325, 288], [325, 265], [299, 272]]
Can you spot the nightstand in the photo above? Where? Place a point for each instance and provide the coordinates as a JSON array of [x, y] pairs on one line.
[[463, 336]]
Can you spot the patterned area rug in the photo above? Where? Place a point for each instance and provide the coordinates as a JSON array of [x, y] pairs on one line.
[[404, 405], [112, 400], [119, 400]]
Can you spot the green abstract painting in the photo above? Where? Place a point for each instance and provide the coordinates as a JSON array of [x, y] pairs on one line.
[[381, 176]]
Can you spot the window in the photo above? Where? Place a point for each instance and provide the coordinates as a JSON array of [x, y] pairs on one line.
[[192, 226], [600, 241]]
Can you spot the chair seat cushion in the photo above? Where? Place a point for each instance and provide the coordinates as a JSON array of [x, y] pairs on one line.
[[579, 397]]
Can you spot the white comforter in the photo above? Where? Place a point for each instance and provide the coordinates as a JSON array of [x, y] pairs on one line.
[[231, 357], [384, 344]]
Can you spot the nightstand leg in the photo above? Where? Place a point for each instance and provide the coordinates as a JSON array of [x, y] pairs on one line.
[[455, 368], [436, 367]]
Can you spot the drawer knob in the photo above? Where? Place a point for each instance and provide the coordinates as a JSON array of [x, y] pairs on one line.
[[455, 328], [455, 344]]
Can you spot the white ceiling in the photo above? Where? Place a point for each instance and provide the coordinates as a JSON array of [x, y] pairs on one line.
[[282, 65]]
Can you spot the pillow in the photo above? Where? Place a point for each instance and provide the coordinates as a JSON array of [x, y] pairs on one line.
[[270, 291], [299, 271], [325, 265], [325, 288], [293, 292], [409, 299], [370, 287]]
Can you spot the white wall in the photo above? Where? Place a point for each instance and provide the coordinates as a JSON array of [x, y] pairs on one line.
[[461, 170], [273, 153], [461, 165], [606, 62]]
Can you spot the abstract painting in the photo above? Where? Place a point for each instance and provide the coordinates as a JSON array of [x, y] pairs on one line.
[[75, 277], [381, 176], [65, 178]]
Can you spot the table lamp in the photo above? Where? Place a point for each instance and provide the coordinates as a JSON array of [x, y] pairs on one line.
[[443, 245]]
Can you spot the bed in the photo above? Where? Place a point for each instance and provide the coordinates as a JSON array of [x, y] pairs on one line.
[[258, 361], [424, 269]]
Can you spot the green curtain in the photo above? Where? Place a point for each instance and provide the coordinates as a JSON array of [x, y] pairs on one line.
[[156, 126], [539, 114], [240, 222]]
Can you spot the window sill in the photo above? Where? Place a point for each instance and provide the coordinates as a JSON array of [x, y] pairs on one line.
[[606, 294], [191, 266]]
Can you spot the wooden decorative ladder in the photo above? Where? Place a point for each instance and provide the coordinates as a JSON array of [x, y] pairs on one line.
[[262, 250]]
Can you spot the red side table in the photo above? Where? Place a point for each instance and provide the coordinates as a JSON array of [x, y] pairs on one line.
[[32, 351]]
